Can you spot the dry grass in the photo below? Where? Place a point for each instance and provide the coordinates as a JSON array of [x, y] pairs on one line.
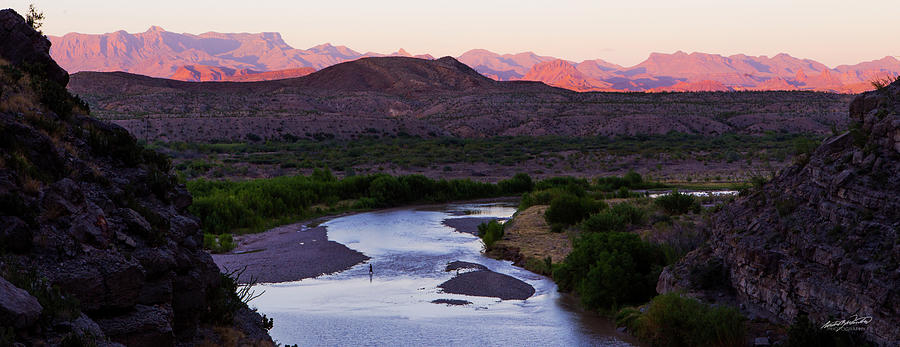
[[31, 185], [19, 103], [530, 233]]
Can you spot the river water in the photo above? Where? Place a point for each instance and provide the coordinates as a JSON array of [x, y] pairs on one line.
[[409, 250]]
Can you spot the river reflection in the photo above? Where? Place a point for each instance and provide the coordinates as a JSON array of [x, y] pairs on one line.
[[409, 250]]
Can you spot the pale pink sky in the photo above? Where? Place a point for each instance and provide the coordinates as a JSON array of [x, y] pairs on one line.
[[622, 32]]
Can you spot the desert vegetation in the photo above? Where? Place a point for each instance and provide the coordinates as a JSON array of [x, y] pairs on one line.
[[675, 320], [254, 205]]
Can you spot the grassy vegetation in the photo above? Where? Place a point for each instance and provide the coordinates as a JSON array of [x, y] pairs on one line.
[[678, 203], [212, 159], [611, 269], [490, 232], [254, 205], [673, 320]]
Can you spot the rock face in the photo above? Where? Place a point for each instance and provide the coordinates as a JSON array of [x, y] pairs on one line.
[[95, 239], [21, 44], [822, 237]]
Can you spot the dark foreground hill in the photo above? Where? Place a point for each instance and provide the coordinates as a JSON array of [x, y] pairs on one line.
[[431, 98], [96, 245], [822, 237]]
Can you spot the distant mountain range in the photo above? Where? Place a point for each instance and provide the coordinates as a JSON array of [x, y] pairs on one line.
[[390, 96], [263, 56]]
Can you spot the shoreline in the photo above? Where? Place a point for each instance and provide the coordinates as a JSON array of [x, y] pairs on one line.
[[301, 250]]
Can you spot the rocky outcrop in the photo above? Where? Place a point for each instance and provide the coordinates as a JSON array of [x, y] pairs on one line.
[[822, 236], [19, 43], [96, 244]]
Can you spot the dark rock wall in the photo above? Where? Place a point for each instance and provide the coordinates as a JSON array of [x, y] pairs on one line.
[[821, 237], [90, 212]]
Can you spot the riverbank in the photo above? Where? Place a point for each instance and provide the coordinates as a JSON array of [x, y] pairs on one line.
[[287, 253], [528, 242], [301, 250]]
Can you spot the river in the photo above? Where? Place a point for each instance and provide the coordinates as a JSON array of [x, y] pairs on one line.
[[409, 249]]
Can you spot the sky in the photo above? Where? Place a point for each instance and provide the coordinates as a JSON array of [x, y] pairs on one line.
[[621, 32]]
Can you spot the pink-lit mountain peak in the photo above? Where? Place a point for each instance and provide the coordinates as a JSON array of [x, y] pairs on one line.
[[160, 53]]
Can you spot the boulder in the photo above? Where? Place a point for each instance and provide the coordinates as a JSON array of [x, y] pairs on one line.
[[18, 309]]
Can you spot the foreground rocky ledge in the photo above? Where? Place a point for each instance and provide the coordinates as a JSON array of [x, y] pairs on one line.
[[96, 244]]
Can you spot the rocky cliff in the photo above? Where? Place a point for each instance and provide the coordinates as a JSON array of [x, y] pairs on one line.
[[822, 237], [96, 246]]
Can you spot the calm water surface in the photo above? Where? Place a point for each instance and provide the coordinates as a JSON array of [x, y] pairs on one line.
[[409, 250]]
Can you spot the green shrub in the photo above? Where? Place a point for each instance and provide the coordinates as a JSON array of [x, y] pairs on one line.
[[223, 300], [631, 180], [218, 243], [678, 203], [570, 209], [210, 241], [557, 228], [631, 213], [603, 221], [490, 232], [252, 205], [540, 197], [673, 320], [616, 218], [520, 183], [611, 269], [570, 183], [540, 266]]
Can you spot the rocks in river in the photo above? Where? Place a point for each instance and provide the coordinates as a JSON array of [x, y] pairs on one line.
[[459, 265], [453, 302], [488, 283]]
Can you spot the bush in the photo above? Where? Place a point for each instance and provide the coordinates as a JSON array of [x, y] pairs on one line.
[[490, 232], [570, 183], [630, 213], [673, 320], [520, 183], [218, 243], [606, 220], [540, 266], [540, 197], [226, 298], [616, 218], [252, 205], [610, 269], [678, 203], [570, 209]]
